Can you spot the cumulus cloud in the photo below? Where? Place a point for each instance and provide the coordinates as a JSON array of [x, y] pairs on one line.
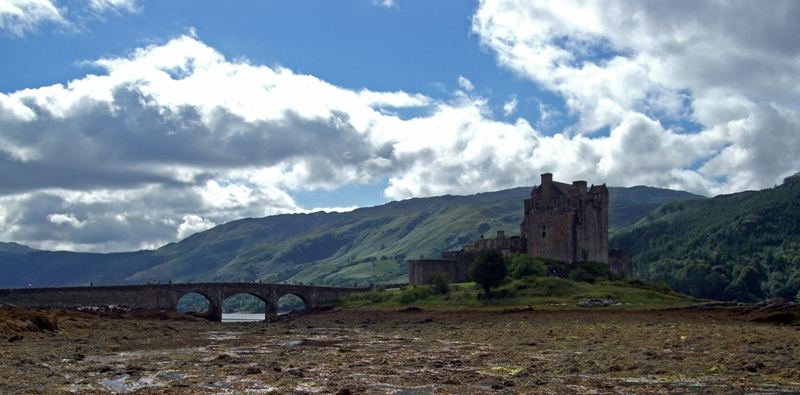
[[386, 3], [729, 67], [19, 17], [510, 106], [192, 224], [189, 134], [465, 83], [113, 5], [66, 219]]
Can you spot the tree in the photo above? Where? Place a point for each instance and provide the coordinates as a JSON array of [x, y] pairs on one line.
[[522, 265], [747, 286], [692, 279], [715, 284], [439, 284], [488, 269]]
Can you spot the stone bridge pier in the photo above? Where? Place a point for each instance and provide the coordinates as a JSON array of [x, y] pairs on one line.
[[166, 296]]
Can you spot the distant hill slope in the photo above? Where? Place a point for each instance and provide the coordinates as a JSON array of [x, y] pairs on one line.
[[364, 245], [742, 246], [15, 248]]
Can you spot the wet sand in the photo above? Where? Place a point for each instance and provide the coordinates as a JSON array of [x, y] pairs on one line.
[[411, 352]]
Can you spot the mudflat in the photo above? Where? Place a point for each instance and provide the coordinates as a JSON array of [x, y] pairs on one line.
[[400, 352]]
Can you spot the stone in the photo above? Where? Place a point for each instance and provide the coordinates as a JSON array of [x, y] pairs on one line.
[[593, 302], [252, 370]]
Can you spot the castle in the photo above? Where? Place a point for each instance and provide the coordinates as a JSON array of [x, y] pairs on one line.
[[561, 222], [566, 222]]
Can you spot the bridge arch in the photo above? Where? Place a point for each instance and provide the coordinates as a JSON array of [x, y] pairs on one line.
[[191, 300], [292, 301], [245, 302]]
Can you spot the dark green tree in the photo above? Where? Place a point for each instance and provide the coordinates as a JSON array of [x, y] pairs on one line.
[[715, 284], [439, 284], [523, 265], [488, 269], [747, 286], [692, 279]]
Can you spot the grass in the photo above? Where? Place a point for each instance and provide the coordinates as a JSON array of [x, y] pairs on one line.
[[548, 293]]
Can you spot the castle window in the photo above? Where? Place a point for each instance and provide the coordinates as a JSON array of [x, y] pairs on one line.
[[544, 231]]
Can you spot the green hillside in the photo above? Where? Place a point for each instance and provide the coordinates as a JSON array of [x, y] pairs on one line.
[[743, 246], [364, 245]]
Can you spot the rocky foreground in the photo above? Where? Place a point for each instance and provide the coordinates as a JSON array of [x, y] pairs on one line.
[[402, 352]]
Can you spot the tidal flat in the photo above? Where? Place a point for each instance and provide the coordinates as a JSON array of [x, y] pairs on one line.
[[410, 351]]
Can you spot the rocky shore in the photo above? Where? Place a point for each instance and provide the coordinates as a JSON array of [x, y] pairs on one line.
[[709, 350]]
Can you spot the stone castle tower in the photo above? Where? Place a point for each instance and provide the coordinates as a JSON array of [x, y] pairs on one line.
[[566, 222]]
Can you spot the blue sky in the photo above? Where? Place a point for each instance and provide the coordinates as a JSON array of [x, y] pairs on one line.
[[420, 47], [128, 123]]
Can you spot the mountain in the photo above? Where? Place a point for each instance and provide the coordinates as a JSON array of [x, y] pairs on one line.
[[15, 248], [744, 246], [364, 245]]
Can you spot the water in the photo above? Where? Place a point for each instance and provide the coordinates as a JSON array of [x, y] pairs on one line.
[[242, 317]]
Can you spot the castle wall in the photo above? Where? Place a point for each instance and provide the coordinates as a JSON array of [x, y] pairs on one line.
[[593, 229], [553, 235], [462, 257], [420, 271], [507, 244]]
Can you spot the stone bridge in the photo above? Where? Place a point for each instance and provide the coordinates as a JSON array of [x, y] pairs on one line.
[[166, 296]]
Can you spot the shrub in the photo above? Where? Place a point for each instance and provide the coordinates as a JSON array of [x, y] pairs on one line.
[[439, 284], [522, 265], [637, 283], [588, 272], [412, 294], [488, 269]]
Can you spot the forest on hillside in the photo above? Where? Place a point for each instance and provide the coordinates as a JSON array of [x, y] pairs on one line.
[[744, 246]]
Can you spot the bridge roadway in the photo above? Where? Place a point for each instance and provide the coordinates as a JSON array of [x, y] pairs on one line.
[[166, 296]]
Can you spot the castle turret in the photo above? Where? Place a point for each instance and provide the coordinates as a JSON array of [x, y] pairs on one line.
[[547, 178], [581, 185]]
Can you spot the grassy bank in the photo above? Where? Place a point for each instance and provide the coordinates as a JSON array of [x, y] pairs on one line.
[[538, 292]]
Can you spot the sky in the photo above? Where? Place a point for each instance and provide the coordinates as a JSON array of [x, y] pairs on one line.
[[128, 124]]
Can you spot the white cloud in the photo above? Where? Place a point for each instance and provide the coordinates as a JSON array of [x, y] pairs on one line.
[[386, 3], [192, 224], [113, 5], [727, 66], [19, 17], [186, 132], [510, 106], [465, 83], [66, 219]]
